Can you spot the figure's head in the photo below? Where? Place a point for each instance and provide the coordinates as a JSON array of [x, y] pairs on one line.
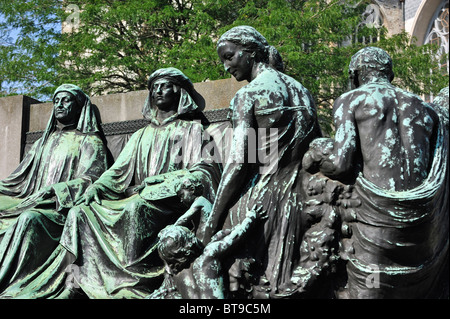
[[243, 46], [72, 106], [66, 107], [189, 190], [369, 63], [178, 247], [165, 94], [171, 90]]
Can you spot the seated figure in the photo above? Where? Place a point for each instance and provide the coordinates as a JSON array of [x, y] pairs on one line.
[[55, 173], [109, 239]]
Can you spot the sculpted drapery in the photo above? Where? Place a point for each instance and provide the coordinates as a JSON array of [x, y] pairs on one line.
[[281, 112], [392, 148], [109, 242], [36, 197]]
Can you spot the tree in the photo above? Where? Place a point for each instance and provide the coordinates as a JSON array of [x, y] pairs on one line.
[[317, 39], [109, 46], [29, 43], [119, 43], [114, 45]]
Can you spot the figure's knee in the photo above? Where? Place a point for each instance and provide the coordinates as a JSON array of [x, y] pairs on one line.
[[29, 217]]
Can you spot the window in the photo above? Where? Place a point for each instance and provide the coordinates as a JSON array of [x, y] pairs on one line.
[[438, 34]]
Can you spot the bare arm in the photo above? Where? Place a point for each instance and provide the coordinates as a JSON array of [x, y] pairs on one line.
[[233, 176], [336, 157], [218, 248]]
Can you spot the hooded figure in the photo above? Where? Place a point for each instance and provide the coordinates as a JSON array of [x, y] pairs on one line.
[[36, 197], [109, 241]]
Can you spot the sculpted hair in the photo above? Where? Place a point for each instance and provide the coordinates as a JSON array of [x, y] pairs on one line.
[[253, 41], [372, 60], [178, 246], [193, 184]]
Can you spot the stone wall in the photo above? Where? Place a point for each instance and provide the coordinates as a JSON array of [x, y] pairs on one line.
[[21, 115], [14, 123]]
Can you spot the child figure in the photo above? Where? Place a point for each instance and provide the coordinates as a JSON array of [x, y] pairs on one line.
[[190, 193], [192, 270]]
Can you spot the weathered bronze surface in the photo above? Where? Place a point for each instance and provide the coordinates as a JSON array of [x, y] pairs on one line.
[[35, 198], [390, 152], [284, 213]]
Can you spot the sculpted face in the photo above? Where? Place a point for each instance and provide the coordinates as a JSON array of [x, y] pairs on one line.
[[187, 196], [165, 95], [66, 108], [236, 61]]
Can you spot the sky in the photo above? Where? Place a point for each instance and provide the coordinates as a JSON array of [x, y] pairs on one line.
[[13, 34], [14, 87]]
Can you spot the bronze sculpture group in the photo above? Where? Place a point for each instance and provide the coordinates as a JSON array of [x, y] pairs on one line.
[[363, 215]]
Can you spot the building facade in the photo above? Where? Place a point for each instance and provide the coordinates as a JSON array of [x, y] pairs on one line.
[[426, 20]]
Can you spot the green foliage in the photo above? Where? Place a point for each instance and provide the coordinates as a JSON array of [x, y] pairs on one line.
[[28, 60], [416, 68], [309, 35], [117, 44]]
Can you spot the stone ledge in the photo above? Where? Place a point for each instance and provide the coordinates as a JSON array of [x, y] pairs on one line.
[[131, 126]]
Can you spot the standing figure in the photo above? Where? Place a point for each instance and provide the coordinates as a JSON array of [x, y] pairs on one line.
[[55, 173], [273, 120], [394, 148]]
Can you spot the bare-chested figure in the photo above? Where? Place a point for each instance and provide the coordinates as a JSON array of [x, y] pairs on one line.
[[387, 130], [392, 148]]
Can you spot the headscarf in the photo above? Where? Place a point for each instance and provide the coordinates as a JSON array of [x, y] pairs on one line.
[[87, 123], [190, 101], [19, 182]]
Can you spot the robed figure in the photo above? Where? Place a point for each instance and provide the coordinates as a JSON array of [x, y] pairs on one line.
[[109, 240], [273, 119], [55, 173]]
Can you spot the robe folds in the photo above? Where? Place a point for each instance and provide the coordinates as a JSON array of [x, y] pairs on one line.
[[69, 161], [108, 250], [114, 243], [286, 123], [66, 160], [400, 239]]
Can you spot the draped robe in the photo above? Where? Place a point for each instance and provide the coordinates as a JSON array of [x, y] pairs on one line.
[[69, 161], [400, 238], [282, 106], [108, 250]]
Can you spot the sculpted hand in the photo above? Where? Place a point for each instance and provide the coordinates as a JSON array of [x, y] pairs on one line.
[[92, 194], [319, 149]]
